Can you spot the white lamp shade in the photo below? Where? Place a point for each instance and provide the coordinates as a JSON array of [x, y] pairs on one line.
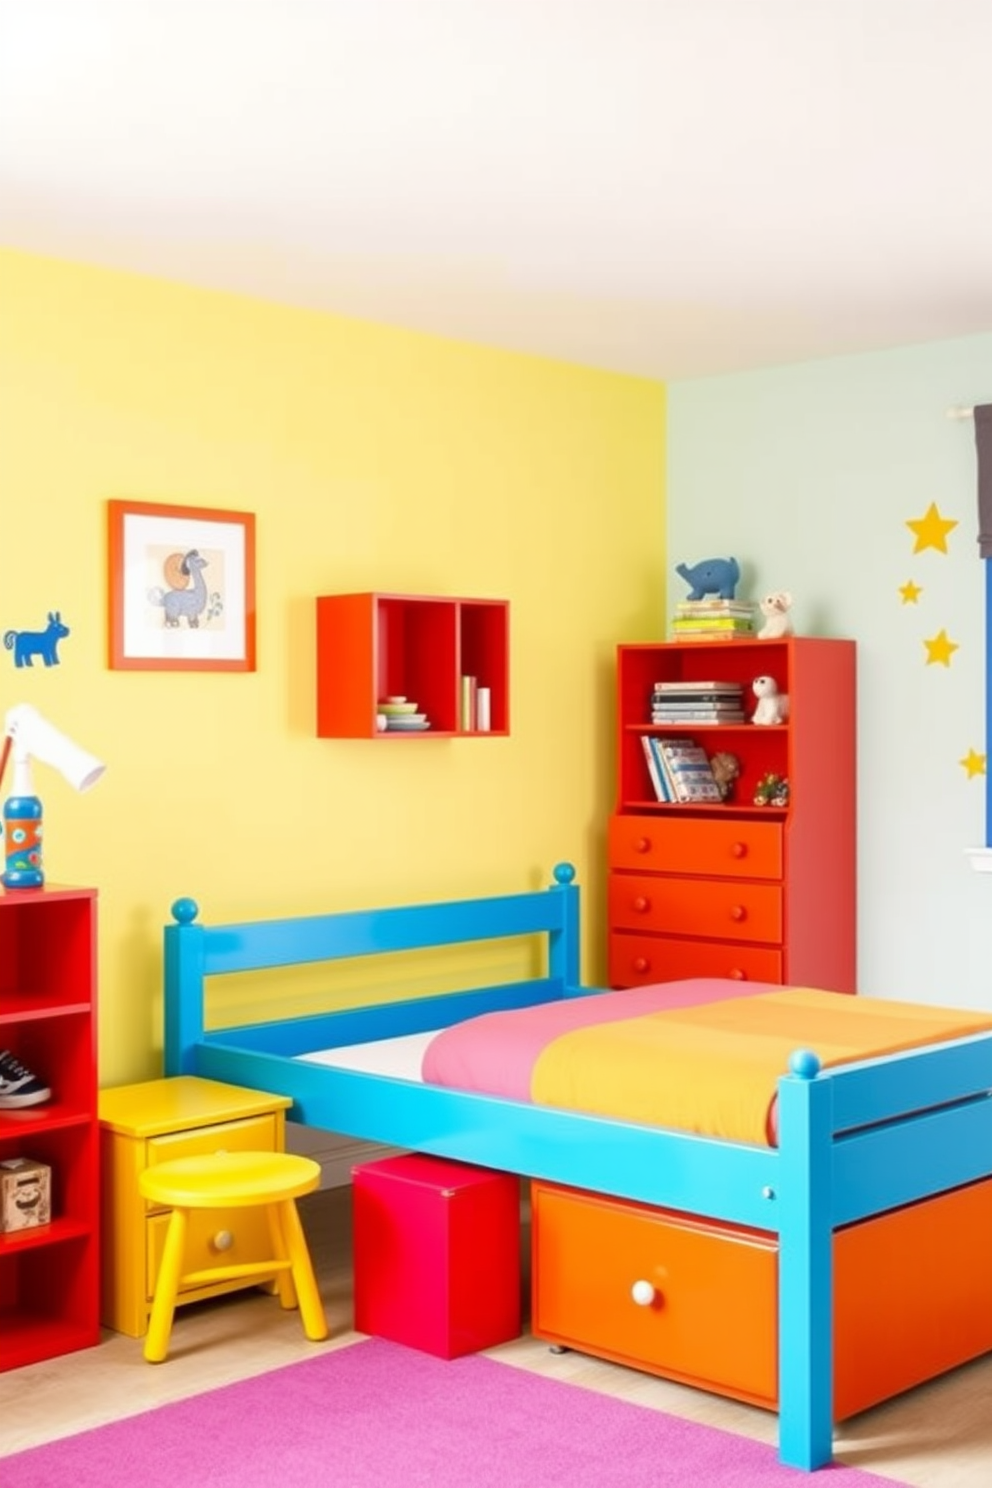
[[35, 738]]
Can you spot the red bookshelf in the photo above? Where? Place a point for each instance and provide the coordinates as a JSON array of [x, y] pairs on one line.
[[49, 1274], [735, 889]]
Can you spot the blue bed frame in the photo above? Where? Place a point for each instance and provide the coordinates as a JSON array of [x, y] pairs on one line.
[[853, 1141]]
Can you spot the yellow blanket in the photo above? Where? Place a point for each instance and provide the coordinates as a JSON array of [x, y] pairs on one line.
[[714, 1069]]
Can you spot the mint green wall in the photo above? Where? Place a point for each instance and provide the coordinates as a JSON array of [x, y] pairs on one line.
[[809, 474]]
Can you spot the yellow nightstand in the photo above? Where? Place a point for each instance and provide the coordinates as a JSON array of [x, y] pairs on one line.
[[154, 1122]]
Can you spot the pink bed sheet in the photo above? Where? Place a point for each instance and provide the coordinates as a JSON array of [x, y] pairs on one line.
[[495, 1053]]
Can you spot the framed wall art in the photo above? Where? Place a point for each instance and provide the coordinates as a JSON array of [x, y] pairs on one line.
[[181, 583]]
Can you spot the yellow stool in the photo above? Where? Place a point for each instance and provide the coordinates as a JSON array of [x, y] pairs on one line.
[[234, 1180]]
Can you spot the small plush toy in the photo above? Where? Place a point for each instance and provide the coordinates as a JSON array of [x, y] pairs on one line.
[[772, 705], [726, 768], [778, 622]]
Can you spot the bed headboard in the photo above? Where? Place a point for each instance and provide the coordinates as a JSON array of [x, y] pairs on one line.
[[195, 952]]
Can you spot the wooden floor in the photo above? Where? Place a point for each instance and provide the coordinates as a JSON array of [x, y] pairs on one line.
[[938, 1436]]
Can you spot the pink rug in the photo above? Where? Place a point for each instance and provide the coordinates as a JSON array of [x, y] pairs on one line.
[[377, 1415]]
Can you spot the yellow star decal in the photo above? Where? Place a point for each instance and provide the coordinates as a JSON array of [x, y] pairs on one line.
[[973, 764], [910, 592], [931, 530], [941, 649]]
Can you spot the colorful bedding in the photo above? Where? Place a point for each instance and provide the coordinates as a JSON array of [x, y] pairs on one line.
[[495, 1054], [702, 1056]]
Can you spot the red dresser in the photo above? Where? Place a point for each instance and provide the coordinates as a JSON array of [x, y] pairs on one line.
[[436, 1254]]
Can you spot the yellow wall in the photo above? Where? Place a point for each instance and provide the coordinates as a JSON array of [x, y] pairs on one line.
[[373, 459]]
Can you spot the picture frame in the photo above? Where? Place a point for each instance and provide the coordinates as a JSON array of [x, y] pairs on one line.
[[181, 588]]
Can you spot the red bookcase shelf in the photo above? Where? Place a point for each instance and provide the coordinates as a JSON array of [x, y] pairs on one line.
[[759, 893], [50, 1274], [373, 646]]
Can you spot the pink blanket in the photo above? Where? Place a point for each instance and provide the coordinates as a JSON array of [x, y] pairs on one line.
[[495, 1053]]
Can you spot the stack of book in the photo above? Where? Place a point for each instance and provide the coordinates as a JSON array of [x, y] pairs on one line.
[[698, 702], [713, 620], [680, 771]]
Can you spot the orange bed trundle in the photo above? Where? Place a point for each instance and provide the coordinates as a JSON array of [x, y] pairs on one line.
[[696, 1300]]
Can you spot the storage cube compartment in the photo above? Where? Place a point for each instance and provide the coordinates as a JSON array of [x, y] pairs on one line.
[[46, 953], [436, 1254], [59, 1051], [46, 1296]]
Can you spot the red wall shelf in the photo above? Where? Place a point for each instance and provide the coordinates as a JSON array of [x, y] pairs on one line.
[[372, 646]]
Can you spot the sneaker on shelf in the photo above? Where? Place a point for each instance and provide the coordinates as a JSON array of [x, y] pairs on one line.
[[18, 1086]]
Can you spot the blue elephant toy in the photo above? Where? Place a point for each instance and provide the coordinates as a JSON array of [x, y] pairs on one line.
[[717, 576]]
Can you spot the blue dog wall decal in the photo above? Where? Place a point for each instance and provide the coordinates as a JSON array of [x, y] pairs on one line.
[[719, 576], [27, 644]]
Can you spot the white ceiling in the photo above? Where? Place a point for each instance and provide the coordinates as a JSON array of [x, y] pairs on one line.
[[668, 187]]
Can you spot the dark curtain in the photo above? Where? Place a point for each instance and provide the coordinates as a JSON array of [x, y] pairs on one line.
[[983, 443]]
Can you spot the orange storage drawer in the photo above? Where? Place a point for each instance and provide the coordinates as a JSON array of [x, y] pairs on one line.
[[913, 1296], [725, 849], [720, 908], [637, 960], [912, 1293], [711, 1319]]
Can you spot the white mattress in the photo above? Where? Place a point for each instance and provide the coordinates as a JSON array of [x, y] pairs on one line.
[[400, 1057]]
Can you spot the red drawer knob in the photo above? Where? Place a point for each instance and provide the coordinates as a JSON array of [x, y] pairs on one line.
[[641, 964], [738, 912], [738, 850], [736, 975], [642, 845], [641, 905]]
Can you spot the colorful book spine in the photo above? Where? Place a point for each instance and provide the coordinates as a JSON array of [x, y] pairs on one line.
[[690, 772], [654, 770]]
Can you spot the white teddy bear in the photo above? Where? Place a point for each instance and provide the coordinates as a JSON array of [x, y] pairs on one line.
[[775, 608], [772, 705]]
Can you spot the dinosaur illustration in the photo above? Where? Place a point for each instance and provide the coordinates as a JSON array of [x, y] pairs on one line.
[[26, 644], [184, 604]]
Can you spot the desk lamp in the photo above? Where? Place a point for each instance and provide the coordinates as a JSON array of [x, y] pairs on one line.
[[31, 736]]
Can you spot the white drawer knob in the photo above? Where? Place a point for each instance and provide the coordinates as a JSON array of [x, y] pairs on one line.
[[643, 1293], [223, 1240]]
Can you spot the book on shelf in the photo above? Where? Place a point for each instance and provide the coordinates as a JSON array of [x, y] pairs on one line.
[[742, 607], [745, 621], [667, 779], [735, 689], [657, 774], [689, 771], [680, 716], [719, 630], [698, 703], [689, 704]]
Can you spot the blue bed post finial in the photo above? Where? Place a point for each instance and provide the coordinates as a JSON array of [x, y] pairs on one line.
[[183, 988], [563, 954], [805, 1324]]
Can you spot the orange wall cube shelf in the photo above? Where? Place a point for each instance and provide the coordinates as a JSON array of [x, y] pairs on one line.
[[373, 646]]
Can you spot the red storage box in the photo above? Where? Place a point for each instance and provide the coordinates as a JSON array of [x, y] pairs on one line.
[[436, 1254]]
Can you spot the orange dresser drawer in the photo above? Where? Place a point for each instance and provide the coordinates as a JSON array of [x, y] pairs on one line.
[[721, 908], [637, 960], [725, 849], [711, 1321]]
